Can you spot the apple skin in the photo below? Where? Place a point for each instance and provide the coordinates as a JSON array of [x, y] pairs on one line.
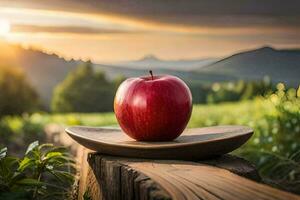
[[153, 108]]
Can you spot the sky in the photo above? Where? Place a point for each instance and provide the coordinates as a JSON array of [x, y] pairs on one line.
[[117, 30]]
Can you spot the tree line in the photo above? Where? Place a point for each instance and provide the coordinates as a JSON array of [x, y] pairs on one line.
[[88, 90]]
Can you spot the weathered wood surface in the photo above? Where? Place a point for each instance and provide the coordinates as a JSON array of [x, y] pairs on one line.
[[193, 144], [235, 165], [125, 178], [108, 177]]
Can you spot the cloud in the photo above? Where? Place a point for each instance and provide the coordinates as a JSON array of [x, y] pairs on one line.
[[24, 28], [196, 13]]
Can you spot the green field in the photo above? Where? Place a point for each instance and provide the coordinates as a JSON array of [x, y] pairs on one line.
[[274, 148], [244, 112], [260, 114]]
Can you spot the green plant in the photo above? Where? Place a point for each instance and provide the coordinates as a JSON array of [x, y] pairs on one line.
[[278, 155], [45, 172], [239, 90], [87, 195], [274, 118], [280, 171], [275, 146], [19, 131], [17, 95], [84, 90]]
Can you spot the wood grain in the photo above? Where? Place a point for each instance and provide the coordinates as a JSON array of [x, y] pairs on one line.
[[193, 144], [128, 178], [217, 178], [197, 181]]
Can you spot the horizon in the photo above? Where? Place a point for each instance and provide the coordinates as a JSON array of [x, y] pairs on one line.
[[45, 51], [115, 31]]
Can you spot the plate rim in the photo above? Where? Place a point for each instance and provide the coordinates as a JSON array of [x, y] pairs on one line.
[[247, 131]]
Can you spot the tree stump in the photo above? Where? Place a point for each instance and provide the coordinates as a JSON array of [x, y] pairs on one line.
[[225, 177], [109, 177]]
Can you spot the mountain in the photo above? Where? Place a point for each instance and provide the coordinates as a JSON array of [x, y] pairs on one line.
[[181, 68], [43, 70], [113, 71], [281, 65], [150, 61]]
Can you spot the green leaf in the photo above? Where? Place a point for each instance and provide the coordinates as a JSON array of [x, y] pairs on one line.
[[16, 177], [63, 176], [55, 186], [57, 149], [46, 145], [25, 163], [87, 194], [52, 155], [32, 146], [7, 166], [61, 161], [10, 161], [57, 164], [3, 152], [295, 156], [30, 182]]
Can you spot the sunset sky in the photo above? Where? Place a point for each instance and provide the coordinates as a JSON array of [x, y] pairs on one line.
[[115, 30]]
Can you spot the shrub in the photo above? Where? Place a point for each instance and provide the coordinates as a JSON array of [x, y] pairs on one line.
[[275, 146], [84, 90], [45, 172], [16, 94], [236, 91], [278, 138], [19, 131]]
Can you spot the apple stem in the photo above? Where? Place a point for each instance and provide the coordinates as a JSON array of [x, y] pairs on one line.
[[150, 71]]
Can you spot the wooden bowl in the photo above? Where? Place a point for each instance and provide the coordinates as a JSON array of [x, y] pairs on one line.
[[193, 144]]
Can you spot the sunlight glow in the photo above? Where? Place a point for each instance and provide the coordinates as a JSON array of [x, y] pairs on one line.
[[4, 27]]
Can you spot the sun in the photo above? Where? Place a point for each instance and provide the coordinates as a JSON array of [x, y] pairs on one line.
[[4, 27]]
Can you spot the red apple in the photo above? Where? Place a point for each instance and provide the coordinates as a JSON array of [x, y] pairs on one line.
[[153, 108]]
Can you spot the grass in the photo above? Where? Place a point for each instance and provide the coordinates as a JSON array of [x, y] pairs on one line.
[[250, 113], [244, 112], [275, 120]]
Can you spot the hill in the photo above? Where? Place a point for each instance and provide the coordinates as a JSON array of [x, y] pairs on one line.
[[191, 77], [151, 61], [279, 65], [43, 70]]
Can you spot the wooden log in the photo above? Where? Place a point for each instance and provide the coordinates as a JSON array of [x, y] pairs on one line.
[[117, 180], [126, 178], [235, 165], [107, 177]]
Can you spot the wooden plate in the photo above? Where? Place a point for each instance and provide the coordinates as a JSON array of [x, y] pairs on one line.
[[193, 144]]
